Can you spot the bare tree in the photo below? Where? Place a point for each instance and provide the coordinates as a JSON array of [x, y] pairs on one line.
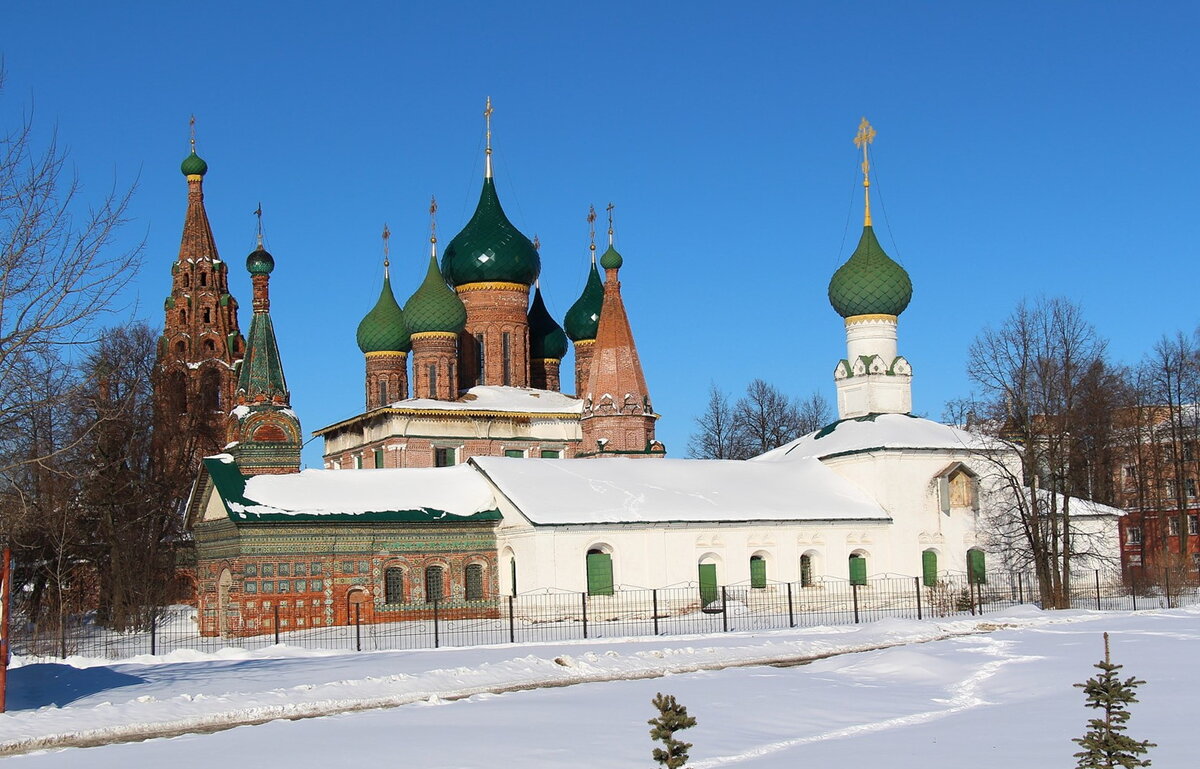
[[1033, 373], [813, 413], [715, 436], [765, 418], [60, 273]]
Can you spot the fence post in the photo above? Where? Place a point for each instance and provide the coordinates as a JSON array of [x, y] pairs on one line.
[[1020, 589], [437, 641], [153, 632], [1167, 586], [357, 626], [654, 601], [583, 597], [971, 592], [1133, 592], [1097, 590], [854, 590], [724, 610], [917, 584], [277, 621], [512, 631], [791, 611]]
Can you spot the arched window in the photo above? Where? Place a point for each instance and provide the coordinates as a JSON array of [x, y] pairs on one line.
[[806, 566], [435, 584], [976, 567], [758, 571], [210, 346], [858, 569], [383, 392], [204, 280], [929, 567], [177, 391], [181, 348], [183, 316], [599, 572], [432, 369], [393, 585], [474, 582], [210, 389], [207, 315]]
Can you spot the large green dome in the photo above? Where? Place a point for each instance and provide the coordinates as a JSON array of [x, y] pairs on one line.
[[383, 329], [490, 248], [434, 306], [193, 165], [869, 283], [584, 316], [546, 337]]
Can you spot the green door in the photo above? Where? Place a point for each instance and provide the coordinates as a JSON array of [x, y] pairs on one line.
[[976, 567], [858, 570], [708, 584], [929, 568], [758, 571], [599, 574]]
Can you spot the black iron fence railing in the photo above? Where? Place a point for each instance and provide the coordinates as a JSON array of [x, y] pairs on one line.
[[560, 616]]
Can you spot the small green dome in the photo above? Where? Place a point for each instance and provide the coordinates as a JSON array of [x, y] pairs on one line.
[[869, 283], [611, 260], [546, 337], [193, 165], [260, 262], [434, 306], [383, 329], [584, 316], [490, 248]]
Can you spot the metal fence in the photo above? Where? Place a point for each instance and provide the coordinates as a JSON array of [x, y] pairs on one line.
[[561, 616]]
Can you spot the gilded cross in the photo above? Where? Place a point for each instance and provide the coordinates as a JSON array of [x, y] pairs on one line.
[[387, 234], [258, 213], [433, 218], [865, 135], [487, 116], [192, 129], [610, 223]]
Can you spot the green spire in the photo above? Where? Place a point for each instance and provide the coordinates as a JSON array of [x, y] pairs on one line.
[[546, 337], [383, 329], [869, 283], [434, 306], [260, 373], [490, 248], [260, 262], [611, 260], [583, 318]]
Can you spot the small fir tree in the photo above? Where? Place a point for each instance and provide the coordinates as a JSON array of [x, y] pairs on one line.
[[1104, 745], [672, 717]]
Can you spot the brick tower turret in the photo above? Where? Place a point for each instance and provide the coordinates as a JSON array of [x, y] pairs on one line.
[[618, 419], [201, 345], [263, 427], [436, 317], [383, 339]]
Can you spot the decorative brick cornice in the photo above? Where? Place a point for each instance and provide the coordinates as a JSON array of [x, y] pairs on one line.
[[434, 335], [493, 286]]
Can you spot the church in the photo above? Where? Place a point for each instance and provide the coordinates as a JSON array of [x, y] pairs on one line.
[[487, 480]]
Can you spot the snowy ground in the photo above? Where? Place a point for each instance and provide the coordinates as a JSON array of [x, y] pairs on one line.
[[997, 698]]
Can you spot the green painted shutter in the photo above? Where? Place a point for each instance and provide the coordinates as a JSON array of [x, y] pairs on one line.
[[976, 567], [929, 568], [858, 570], [599, 574], [805, 571], [514, 453], [708, 584], [758, 572], [378, 457]]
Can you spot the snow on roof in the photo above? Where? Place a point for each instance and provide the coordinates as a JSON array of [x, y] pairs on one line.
[[458, 490], [497, 398], [877, 431], [623, 490]]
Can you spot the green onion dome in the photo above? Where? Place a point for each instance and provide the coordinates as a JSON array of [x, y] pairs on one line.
[[584, 316], [546, 337], [490, 248], [260, 262], [869, 283], [193, 165], [383, 329], [434, 306], [611, 260]]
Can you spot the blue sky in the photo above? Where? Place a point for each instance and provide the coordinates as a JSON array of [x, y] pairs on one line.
[[1023, 149]]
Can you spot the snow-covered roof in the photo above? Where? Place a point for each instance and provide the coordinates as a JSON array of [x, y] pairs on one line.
[[623, 490], [498, 398], [413, 494], [877, 431]]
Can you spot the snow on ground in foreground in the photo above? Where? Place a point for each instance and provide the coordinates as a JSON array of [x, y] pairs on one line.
[[998, 699]]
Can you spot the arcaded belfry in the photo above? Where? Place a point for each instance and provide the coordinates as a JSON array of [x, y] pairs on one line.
[[870, 291]]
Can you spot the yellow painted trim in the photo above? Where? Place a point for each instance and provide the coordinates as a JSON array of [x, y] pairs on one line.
[[434, 335], [448, 414], [194, 177], [869, 318], [493, 285], [548, 360], [584, 343], [382, 353]]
